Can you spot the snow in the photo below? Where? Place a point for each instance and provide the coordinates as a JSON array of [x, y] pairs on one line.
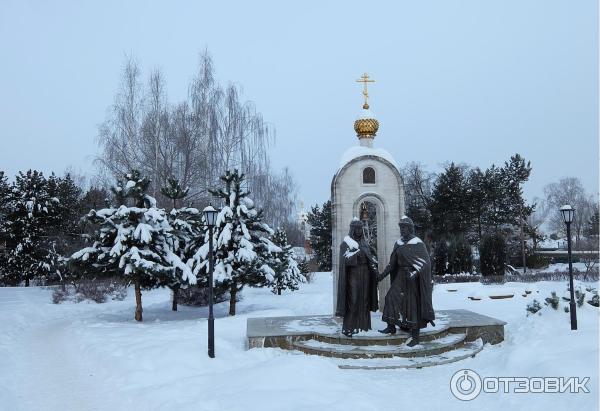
[[414, 240], [352, 244], [271, 247], [564, 267], [245, 253], [84, 253], [225, 235], [359, 151], [352, 247], [269, 273], [89, 356], [143, 232]]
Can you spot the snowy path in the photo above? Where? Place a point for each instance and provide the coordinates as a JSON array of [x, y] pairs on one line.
[[49, 373]]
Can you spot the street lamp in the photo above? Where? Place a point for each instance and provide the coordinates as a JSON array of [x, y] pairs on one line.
[[210, 217], [568, 213]]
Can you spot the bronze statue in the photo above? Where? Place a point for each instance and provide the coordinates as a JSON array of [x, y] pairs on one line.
[[357, 282], [409, 296]]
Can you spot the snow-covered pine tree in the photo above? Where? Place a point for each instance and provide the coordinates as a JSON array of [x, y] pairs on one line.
[[241, 244], [64, 236], [287, 272], [186, 223], [174, 191], [4, 200], [69, 196], [4, 197], [30, 213], [135, 241]]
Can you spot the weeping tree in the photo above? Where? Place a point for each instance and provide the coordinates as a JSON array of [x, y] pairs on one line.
[[198, 140]]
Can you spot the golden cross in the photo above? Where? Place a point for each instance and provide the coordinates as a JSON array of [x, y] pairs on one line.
[[365, 79]]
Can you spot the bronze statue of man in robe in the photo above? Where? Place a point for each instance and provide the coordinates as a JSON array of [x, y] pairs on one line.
[[357, 282], [408, 301]]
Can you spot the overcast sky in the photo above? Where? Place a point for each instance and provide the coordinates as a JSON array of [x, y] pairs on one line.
[[465, 81]]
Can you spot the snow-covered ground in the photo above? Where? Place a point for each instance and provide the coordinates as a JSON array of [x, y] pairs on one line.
[[95, 357], [563, 267]]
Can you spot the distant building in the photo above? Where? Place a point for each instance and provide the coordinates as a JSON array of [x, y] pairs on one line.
[[302, 222]]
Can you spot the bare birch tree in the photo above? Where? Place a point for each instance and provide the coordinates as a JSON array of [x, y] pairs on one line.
[[569, 190], [119, 135], [194, 141]]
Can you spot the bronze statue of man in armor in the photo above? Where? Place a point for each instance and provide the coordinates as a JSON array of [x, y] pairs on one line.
[[408, 301]]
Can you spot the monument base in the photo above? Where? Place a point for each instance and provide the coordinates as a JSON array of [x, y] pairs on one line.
[[457, 334]]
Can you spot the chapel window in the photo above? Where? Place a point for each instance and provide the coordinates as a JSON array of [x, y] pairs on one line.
[[369, 175]]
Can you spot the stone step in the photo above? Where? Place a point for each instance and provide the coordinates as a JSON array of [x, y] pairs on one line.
[[468, 349], [373, 337], [425, 348]]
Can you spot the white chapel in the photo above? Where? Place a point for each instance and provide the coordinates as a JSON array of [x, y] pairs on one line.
[[368, 186]]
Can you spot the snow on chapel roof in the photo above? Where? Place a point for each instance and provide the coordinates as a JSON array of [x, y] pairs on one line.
[[359, 151]]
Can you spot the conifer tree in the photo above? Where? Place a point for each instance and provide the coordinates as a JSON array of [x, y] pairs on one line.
[[174, 191], [4, 200], [135, 241], [242, 248], [69, 196], [287, 272], [449, 203], [514, 174], [460, 258], [186, 223], [492, 254], [440, 257], [30, 213], [320, 234]]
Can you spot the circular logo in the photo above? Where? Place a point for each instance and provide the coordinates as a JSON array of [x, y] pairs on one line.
[[465, 385]]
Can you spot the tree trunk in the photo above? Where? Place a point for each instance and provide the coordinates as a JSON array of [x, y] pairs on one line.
[[232, 295], [279, 291], [522, 241], [175, 294], [138, 300], [26, 280]]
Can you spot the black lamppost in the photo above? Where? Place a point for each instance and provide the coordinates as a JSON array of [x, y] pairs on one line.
[[568, 213], [210, 216]]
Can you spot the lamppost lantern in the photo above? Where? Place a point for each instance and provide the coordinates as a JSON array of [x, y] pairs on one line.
[[568, 213], [210, 215], [210, 218]]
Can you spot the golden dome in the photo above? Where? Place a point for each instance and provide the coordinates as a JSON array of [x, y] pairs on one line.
[[366, 125]]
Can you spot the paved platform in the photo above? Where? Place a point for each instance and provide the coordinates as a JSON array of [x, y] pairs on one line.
[[285, 332]]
